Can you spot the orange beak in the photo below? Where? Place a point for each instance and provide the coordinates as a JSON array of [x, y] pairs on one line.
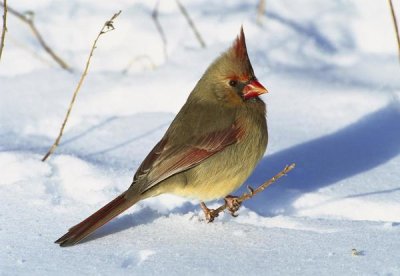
[[253, 89]]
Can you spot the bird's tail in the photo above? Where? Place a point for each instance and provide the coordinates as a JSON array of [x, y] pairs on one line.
[[98, 219]]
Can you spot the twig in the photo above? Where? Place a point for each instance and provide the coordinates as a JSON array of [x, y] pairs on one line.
[[31, 51], [29, 20], [396, 28], [252, 192], [160, 30], [136, 59], [108, 26], [260, 11], [4, 29], [191, 24]]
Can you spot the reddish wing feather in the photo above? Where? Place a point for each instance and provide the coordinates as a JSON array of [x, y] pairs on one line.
[[159, 165], [149, 160]]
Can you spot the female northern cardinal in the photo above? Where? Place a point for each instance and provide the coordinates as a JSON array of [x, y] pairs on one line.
[[210, 148]]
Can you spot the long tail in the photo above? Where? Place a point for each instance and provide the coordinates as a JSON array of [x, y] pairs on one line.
[[98, 219]]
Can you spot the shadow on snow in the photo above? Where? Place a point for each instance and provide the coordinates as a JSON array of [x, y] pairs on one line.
[[359, 147]]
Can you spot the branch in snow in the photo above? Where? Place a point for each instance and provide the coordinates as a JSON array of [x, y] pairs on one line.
[[191, 24], [107, 27], [4, 29], [28, 19], [252, 192]]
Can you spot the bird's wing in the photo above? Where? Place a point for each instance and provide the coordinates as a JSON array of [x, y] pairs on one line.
[[167, 159]]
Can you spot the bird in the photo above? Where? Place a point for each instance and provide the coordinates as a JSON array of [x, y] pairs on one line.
[[208, 151]]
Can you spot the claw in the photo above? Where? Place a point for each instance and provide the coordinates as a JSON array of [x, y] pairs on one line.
[[232, 204], [251, 190], [210, 214]]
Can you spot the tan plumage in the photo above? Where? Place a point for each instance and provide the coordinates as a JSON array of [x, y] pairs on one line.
[[210, 148]]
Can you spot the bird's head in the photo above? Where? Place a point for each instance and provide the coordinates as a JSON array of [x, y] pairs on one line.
[[231, 77]]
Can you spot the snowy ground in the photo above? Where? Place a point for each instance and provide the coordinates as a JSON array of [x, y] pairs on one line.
[[333, 108]]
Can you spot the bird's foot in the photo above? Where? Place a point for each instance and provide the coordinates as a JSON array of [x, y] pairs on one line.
[[232, 204], [210, 214]]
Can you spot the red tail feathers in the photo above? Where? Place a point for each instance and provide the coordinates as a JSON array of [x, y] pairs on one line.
[[98, 219]]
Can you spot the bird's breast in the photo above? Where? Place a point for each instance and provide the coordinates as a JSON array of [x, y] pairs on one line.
[[225, 171]]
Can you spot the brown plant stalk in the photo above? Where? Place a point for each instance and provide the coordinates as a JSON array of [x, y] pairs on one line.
[[252, 192], [139, 58], [191, 24], [260, 11], [107, 27], [4, 29], [160, 30], [29, 20], [396, 28]]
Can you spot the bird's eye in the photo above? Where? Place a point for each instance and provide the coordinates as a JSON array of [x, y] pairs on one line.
[[233, 83]]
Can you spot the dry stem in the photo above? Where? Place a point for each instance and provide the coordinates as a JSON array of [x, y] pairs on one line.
[[191, 24], [4, 29], [108, 26], [160, 30], [29, 20], [260, 11], [252, 192], [138, 58], [396, 28]]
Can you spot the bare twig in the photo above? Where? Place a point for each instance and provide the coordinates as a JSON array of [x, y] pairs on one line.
[[28, 19], [191, 24], [21, 44], [138, 58], [4, 29], [108, 26], [252, 192], [396, 28], [160, 30], [260, 11]]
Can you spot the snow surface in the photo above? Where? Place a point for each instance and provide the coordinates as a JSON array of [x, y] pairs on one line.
[[333, 108]]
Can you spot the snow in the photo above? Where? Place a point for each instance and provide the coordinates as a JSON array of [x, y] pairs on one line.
[[333, 108]]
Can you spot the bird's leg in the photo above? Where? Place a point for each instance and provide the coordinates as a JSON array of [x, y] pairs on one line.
[[210, 214], [232, 204]]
